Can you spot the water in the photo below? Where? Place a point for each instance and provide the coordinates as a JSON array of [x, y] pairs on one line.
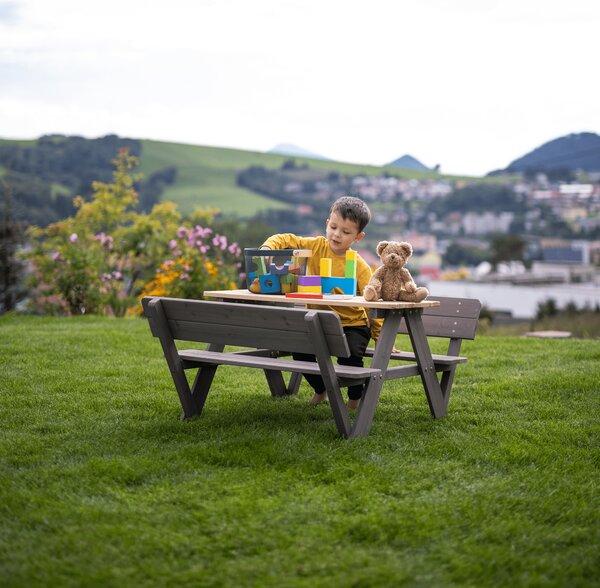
[[520, 301]]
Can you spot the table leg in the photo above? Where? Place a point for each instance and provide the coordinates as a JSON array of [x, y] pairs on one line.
[[416, 331], [381, 359]]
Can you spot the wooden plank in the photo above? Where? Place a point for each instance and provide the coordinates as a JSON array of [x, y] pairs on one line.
[[328, 373], [427, 371], [188, 402], [195, 357], [453, 318], [355, 301], [409, 356], [237, 324], [462, 307], [444, 326], [270, 317]]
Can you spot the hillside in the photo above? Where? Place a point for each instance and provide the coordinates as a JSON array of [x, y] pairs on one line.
[[578, 151], [408, 162], [207, 175], [46, 173]]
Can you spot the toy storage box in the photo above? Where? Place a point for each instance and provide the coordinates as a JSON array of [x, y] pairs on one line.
[[275, 271]]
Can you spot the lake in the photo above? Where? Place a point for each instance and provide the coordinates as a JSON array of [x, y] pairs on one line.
[[520, 301]]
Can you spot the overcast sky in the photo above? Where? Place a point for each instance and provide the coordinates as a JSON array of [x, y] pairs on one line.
[[467, 84]]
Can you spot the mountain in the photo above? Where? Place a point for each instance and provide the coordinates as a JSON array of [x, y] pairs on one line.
[[294, 151], [408, 162], [571, 152]]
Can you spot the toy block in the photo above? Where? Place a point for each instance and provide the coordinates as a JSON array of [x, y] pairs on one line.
[[302, 253], [325, 267], [350, 268], [269, 284], [307, 295], [286, 288], [346, 285], [309, 280], [312, 289], [288, 278], [261, 265], [281, 270], [351, 255], [254, 286], [296, 268]]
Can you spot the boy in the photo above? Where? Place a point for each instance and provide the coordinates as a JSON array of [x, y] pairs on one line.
[[344, 227]]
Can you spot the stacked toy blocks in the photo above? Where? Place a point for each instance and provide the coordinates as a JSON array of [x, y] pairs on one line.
[[275, 271], [325, 283]]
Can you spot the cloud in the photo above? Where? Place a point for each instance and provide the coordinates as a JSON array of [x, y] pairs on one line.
[[8, 12], [470, 85]]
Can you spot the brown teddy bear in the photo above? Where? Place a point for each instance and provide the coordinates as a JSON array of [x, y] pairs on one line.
[[392, 281]]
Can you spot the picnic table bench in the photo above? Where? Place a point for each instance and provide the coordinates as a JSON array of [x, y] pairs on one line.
[[273, 332]]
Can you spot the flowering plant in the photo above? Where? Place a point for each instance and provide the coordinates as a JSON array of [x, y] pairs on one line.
[[200, 260]]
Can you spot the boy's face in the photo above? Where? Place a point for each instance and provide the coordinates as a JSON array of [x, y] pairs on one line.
[[341, 233]]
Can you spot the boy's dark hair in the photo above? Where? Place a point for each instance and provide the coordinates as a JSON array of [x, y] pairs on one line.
[[349, 207]]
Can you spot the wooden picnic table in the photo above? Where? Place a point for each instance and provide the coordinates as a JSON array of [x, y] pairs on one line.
[[393, 313]]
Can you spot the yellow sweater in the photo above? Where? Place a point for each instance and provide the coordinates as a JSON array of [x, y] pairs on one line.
[[350, 316]]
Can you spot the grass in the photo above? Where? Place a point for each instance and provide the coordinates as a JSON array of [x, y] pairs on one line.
[[581, 324], [101, 484]]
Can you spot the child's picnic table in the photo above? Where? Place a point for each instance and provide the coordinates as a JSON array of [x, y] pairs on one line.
[[425, 365]]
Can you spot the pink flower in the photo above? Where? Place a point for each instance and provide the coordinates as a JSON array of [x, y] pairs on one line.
[[56, 256], [184, 276], [105, 240], [172, 244], [117, 275], [182, 232], [73, 238], [220, 241]]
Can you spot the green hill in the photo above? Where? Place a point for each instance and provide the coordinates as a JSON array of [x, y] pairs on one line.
[[46, 173], [206, 176]]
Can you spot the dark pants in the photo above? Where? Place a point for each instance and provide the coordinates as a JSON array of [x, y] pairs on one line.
[[358, 339]]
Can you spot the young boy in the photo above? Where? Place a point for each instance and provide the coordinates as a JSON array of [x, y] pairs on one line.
[[347, 219]]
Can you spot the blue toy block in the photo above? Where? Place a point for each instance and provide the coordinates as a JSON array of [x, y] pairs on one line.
[[346, 285], [269, 284], [281, 270]]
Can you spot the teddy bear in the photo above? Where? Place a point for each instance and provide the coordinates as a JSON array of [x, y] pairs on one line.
[[392, 281]]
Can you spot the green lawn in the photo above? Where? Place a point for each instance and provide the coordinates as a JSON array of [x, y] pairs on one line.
[[101, 484]]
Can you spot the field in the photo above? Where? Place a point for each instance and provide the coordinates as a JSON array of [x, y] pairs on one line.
[[101, 484], [207, 175]]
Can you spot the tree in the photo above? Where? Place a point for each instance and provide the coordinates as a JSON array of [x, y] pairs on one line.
[[507, 248], [89, 263], [11, 236]]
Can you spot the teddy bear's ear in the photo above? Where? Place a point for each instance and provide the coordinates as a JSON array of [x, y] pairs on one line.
[[407, 248], [382, 245]]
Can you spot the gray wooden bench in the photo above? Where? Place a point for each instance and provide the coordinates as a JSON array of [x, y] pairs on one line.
[[455, 319], [270, 332]]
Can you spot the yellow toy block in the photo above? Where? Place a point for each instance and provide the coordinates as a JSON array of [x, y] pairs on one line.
[[351, 255], [325, 267], [311, 289]]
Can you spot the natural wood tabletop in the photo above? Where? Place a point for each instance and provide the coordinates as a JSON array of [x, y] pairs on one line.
[[281, 298]]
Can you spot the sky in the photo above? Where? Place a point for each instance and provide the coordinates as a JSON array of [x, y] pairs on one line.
[[469, 85]]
